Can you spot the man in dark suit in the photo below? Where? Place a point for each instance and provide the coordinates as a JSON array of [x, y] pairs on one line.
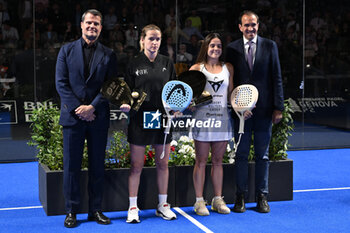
[[255, 61], [82, 67]]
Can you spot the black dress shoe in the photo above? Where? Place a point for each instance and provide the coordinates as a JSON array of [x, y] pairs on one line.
[[71, 220], [239, 204], [99, 217], [262, 205]]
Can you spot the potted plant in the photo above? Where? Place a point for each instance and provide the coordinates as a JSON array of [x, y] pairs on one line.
[[47, 138]]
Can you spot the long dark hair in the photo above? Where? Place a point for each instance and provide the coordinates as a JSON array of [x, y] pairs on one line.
[[203, 52]]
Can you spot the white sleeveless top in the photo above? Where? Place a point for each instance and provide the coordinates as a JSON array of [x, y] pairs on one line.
[[217, 125]]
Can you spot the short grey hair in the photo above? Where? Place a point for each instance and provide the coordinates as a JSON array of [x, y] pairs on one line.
[[93, 12]]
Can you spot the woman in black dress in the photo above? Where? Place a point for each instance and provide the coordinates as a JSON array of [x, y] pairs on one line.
[[148, 72]]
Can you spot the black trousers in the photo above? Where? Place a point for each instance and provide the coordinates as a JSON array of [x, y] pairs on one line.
[[73, 146]]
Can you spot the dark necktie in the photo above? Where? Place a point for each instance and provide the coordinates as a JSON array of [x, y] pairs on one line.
[[250, 55]]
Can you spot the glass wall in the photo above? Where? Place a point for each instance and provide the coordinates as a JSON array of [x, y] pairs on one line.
[[312, 37]]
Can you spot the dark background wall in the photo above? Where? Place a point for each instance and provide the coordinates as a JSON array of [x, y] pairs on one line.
[[312, 37]]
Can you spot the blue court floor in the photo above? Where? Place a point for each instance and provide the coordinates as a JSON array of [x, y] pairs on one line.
[[321, 204]]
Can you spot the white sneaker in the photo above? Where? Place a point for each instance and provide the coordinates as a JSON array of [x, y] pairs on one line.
[[133, 215], [219, 205], [200, 208], [165, 212]]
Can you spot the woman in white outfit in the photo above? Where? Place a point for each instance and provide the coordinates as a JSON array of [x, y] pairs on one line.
[[219, 84]]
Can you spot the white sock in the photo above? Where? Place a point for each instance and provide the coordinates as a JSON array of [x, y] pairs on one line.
[[132, 202], [162, 198], [216, 197], [199, 199]]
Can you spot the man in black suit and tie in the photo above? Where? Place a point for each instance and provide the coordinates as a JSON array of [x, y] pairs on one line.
[[82, 67], [256, 61]]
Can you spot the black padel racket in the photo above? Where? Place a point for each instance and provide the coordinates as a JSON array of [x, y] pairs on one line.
[[197, 82]]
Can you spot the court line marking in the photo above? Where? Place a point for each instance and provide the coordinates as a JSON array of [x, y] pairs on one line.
[[180, 211], [22, 208], [192, 220], [317, 190]]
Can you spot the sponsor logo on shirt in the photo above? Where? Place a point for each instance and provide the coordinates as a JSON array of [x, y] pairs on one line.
[[141, 72], [216, 85]]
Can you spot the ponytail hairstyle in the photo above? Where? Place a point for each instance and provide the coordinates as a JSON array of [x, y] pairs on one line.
[[145, 29]]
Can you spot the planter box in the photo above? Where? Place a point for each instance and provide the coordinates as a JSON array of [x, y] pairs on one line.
[[280, 183], [180, 188], [116, 195], [281, 180]]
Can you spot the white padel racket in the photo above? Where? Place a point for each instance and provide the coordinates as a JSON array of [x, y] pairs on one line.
[[243, 98], [176, 97]]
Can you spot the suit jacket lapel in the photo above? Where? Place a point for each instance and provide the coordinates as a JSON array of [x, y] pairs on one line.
[[241, 47], [78, 51], [242, 51], [258, 53], [98, 56]]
